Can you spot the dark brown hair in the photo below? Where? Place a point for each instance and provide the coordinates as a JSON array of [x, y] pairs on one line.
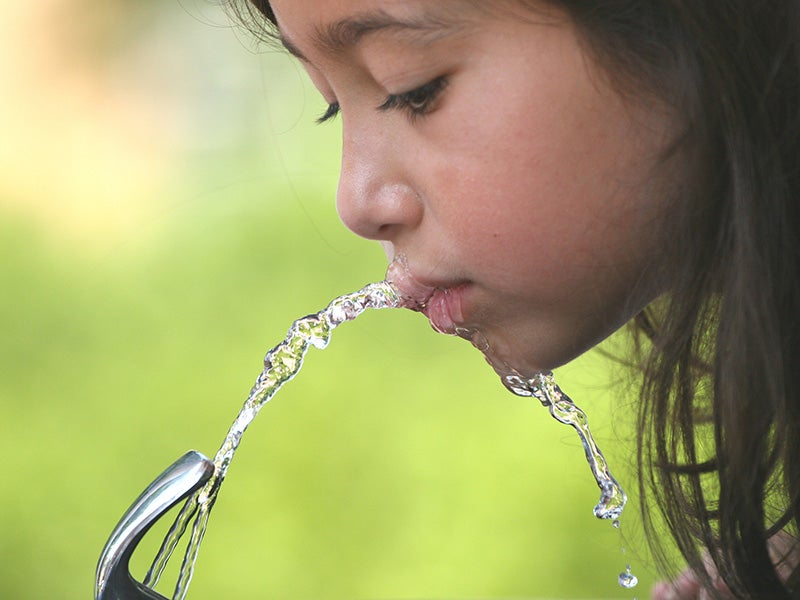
[[719, 435], [719, 423]]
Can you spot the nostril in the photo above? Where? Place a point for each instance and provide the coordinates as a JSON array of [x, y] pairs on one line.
[[384, 231]]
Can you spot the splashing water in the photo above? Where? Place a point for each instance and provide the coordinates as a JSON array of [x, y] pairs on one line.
[[280, 365], [541, 386], [284, 361], [612, 498], [544, 388]]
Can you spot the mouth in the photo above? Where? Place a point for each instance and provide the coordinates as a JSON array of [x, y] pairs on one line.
[[441, 303], [445, 305]]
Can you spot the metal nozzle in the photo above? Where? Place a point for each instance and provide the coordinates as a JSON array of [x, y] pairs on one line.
[[114, 580]]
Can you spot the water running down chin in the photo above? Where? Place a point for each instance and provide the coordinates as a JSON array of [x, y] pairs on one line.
[[542, 386]]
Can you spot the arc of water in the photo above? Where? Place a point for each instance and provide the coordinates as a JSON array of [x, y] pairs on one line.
[[281, 364]]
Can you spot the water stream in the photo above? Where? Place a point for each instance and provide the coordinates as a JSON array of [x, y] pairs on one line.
[[280, 365], [544, 388], [612, 501], [284, 361]]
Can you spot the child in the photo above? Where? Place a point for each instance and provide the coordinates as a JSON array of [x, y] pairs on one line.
[[552, 170]]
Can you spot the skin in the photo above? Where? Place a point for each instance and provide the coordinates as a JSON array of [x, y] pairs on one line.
[[528, 199], [530, 191]]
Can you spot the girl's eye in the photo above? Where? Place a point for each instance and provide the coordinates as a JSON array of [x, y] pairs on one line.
[[419, 101], [330, 113]]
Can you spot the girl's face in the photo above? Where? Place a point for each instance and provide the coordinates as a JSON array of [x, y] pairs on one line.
[[486, 147]]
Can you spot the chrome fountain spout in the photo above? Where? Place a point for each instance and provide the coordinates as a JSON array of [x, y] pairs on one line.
[[184, 477]]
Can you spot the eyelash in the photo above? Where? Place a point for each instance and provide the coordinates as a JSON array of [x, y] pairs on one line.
[[417, 102], [330, 113]]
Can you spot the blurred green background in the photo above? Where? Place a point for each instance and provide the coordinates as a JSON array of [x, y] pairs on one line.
[[166, 212]]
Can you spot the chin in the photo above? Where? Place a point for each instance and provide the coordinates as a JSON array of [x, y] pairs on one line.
[[531, 355]]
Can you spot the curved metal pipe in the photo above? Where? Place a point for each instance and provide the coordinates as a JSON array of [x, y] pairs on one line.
[[182, 478]]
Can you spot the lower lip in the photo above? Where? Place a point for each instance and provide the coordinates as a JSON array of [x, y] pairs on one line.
[[444, 309]]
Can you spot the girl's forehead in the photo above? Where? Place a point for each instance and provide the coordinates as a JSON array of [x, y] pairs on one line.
[[335, 27]]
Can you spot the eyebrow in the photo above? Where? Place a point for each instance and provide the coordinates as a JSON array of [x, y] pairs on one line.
[[342, 35]]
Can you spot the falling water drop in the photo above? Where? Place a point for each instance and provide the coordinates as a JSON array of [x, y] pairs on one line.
[[627, 579]]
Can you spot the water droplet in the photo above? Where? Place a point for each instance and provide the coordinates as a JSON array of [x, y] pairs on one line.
[[627, 579], [615, 523]]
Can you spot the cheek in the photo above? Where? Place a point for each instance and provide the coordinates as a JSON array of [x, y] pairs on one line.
[[509, 196], [554, 216], [543, 182]]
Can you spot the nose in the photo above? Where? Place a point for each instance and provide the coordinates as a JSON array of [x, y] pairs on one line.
[[377, 198]]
